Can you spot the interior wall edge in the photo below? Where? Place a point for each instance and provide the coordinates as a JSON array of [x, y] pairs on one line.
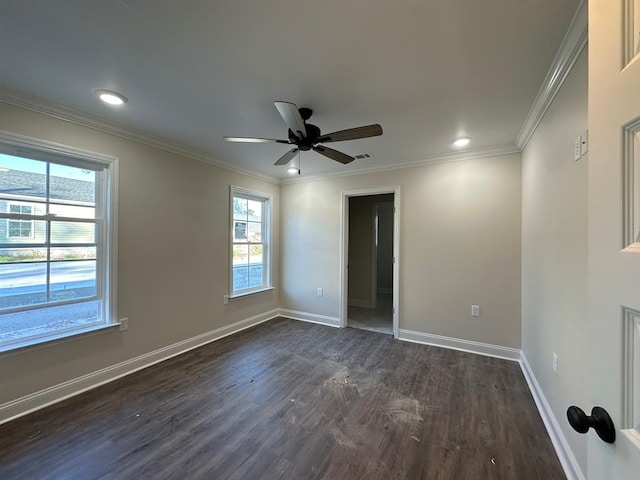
[[563, 450]]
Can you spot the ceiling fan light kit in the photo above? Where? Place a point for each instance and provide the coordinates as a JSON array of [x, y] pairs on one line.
[[306, 136]]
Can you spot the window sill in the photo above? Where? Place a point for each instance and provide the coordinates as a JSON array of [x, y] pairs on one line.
[[252, 292], [34, 344]]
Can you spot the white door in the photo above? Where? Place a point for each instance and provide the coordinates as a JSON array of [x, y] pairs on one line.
[[613, 366]]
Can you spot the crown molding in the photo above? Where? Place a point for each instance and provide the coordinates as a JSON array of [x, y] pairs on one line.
[[494, 151], [575, 40], [60, 112]]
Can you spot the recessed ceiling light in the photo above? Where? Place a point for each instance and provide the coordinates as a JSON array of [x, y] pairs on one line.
[[461, 142], [111, 98]]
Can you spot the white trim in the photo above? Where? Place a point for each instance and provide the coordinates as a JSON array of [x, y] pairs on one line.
[[631, 375], [65, 336], [36, 401], [471, 154], [343, 284], [479, 348], [45, 107], [107, 197], [563, 450], [570, 49], [310, 317], [266, 200]]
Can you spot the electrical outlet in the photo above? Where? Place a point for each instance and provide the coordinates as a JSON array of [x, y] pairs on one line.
[[124, 324], [475, 310], [320, 292], [555, 363]]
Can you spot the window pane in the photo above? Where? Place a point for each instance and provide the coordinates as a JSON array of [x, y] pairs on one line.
[[72, 184], [21, 176], [22, 283], [72, 211], [22, 231], [21, 255], [255, 254], [255, 266], [72, 232], [240, 254], [255, 232], [254, 210], [33, 323], [255, 275], [20, 208], [73, 253], [239, 231], [72, 279], [240, 278], [239, 208]]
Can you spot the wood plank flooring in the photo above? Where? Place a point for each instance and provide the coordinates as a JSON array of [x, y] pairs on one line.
[[294, 400]]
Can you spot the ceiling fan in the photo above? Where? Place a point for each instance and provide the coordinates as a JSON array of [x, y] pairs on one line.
[[306, 136]]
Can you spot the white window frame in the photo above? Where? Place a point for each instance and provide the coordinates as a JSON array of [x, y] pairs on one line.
[[267, 202], [20, 222], [106, 230]]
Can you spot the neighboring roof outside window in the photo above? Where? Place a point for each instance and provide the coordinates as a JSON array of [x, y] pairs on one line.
[[28, 184]]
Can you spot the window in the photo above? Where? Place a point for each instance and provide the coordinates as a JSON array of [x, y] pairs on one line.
[[20, 228], [250, 241], [57, 268]]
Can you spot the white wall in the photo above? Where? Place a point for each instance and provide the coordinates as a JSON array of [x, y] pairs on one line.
[[459, 245], [173, 267], [554, 254]]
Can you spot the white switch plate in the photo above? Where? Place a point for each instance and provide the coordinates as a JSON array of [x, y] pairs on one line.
[[475, 310], [320, 292], [225, 299], [577, 146], [554, 364]]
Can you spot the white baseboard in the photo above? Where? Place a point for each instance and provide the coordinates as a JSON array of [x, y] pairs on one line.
[[470, 346], [310, 317], [35, 401], [563, 450]]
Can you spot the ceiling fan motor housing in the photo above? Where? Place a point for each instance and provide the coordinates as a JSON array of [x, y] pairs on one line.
[[305, 144]]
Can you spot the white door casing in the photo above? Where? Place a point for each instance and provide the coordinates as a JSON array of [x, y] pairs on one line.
[[344, 251]]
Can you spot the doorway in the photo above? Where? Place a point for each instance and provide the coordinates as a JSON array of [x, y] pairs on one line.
[[369, 252]]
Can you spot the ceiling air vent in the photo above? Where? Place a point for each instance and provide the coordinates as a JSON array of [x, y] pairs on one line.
[[362, 155]]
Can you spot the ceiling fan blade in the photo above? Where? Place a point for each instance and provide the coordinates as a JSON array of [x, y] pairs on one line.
[[352, 134], [283, 160], [254, 140], [291, 116], [333, 154]]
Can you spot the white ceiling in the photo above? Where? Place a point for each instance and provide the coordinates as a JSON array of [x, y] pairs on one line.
[[195, 71]]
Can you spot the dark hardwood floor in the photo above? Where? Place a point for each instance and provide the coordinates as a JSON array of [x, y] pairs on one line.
[[294, 400]]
